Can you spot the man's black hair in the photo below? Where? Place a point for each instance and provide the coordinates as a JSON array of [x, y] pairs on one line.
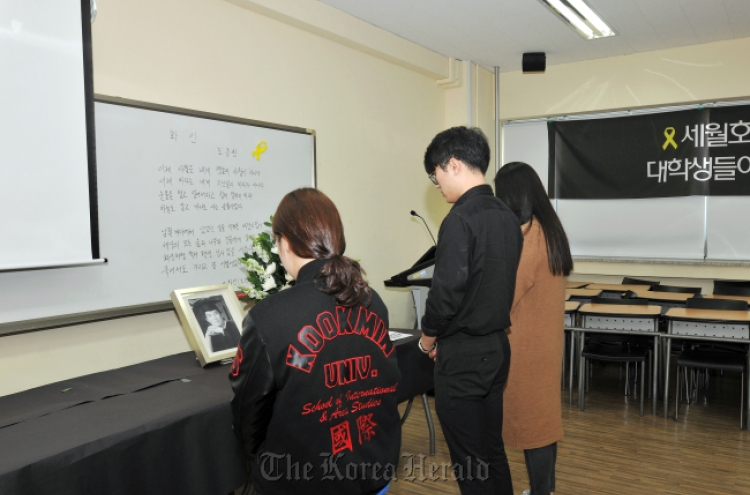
[[201, 307], [468, 145]]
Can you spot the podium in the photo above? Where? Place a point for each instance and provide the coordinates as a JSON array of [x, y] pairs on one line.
[[419, 278]]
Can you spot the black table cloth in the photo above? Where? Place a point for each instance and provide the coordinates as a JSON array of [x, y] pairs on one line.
[[160, 427]]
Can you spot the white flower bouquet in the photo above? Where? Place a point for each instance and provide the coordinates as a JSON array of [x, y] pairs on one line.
[[265, 273]]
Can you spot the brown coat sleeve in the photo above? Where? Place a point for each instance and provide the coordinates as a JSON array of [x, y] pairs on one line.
[[532, 415]]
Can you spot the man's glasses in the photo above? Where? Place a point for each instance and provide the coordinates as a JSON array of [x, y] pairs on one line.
[[433, 178]]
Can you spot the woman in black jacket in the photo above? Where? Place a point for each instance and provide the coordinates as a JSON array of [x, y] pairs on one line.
[[315, 374]]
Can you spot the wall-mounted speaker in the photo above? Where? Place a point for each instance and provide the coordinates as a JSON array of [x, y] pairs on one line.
[[534, 62]]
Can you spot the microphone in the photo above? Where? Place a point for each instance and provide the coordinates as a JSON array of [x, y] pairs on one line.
[[414, 214]]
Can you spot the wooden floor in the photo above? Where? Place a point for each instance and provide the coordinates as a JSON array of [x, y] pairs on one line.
[[609, 449]]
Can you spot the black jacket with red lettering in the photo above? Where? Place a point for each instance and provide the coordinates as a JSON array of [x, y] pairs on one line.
[[315, 393]]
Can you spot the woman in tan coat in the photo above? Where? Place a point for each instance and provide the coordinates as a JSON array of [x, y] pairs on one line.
[[531, 410]]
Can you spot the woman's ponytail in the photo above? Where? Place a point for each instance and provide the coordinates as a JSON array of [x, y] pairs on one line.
[[343, 278], [311, 224]]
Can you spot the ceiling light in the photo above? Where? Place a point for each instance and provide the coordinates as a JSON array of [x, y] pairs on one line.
[[580, 17]]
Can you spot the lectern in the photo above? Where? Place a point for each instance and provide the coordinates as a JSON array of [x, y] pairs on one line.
[[419, 278]]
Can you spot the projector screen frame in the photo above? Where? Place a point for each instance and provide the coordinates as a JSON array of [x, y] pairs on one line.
[[88, 87]]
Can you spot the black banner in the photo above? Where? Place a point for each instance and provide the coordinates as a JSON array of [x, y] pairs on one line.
[[702, 152]]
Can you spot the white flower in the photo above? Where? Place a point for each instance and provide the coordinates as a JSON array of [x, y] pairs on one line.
[[263, 255], [269, 284], [285, 287], [270, 269], [275, 249], [288, 277], [253, 266], [256, 294]]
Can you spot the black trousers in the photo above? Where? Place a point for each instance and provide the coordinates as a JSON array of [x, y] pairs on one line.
[[470, 373], [540, 464]]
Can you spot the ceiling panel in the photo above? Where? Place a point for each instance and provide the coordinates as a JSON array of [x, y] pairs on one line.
[[708, 20], [498, 32], [738, 12]]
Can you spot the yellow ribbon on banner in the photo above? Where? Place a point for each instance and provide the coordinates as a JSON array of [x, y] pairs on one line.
[[262, 146], [669, 134]]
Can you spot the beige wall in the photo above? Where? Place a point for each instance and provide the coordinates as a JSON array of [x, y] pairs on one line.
[[702, 73], [482, 102], [33, 359], [373, 103]]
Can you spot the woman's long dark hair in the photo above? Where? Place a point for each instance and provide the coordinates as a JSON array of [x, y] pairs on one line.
[[311, 224], [519, 186]]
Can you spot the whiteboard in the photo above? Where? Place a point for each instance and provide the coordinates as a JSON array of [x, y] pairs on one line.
[[527, 142], [44, 162], [728, 228], [179, 193], [671, 228]]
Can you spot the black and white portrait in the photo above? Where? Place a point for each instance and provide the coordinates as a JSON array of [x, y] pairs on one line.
[[211, 317], [219, 331]]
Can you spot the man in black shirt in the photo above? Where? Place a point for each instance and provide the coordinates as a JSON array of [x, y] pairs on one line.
[[468, 310]]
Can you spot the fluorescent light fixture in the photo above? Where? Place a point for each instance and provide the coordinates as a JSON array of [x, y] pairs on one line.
[[580, 17]]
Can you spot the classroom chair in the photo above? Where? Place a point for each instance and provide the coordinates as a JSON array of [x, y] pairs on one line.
[[716, 304], [676, 289], [676, 345], [623, 349], [732, 287], [638, 281], [703, 357]]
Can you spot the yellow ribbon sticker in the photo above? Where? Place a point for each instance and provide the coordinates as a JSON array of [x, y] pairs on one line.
[[262, 146], [669, 134]]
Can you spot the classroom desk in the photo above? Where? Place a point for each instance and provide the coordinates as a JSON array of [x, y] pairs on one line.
[[618, 287], [668, 297], [666, 300], [570, 321], [570, 309], [155, 428], [620, 320], [707, 325], [586, 294], [722, 296], [575, 285]]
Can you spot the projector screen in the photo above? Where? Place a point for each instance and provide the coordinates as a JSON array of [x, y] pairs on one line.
[[46, 135]]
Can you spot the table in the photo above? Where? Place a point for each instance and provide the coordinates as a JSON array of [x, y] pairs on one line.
[[582, 294], [722, 296], [135, 433], [570, 309], [618, 287], [666, 299], [417, 377], [619, 319], [575, 285], [160, 427], [707, 325], [570, 321]]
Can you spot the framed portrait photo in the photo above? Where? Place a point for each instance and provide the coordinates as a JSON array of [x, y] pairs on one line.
[[211, 317]]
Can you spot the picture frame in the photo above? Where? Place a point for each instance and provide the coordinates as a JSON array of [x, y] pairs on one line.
[[211, 317]]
